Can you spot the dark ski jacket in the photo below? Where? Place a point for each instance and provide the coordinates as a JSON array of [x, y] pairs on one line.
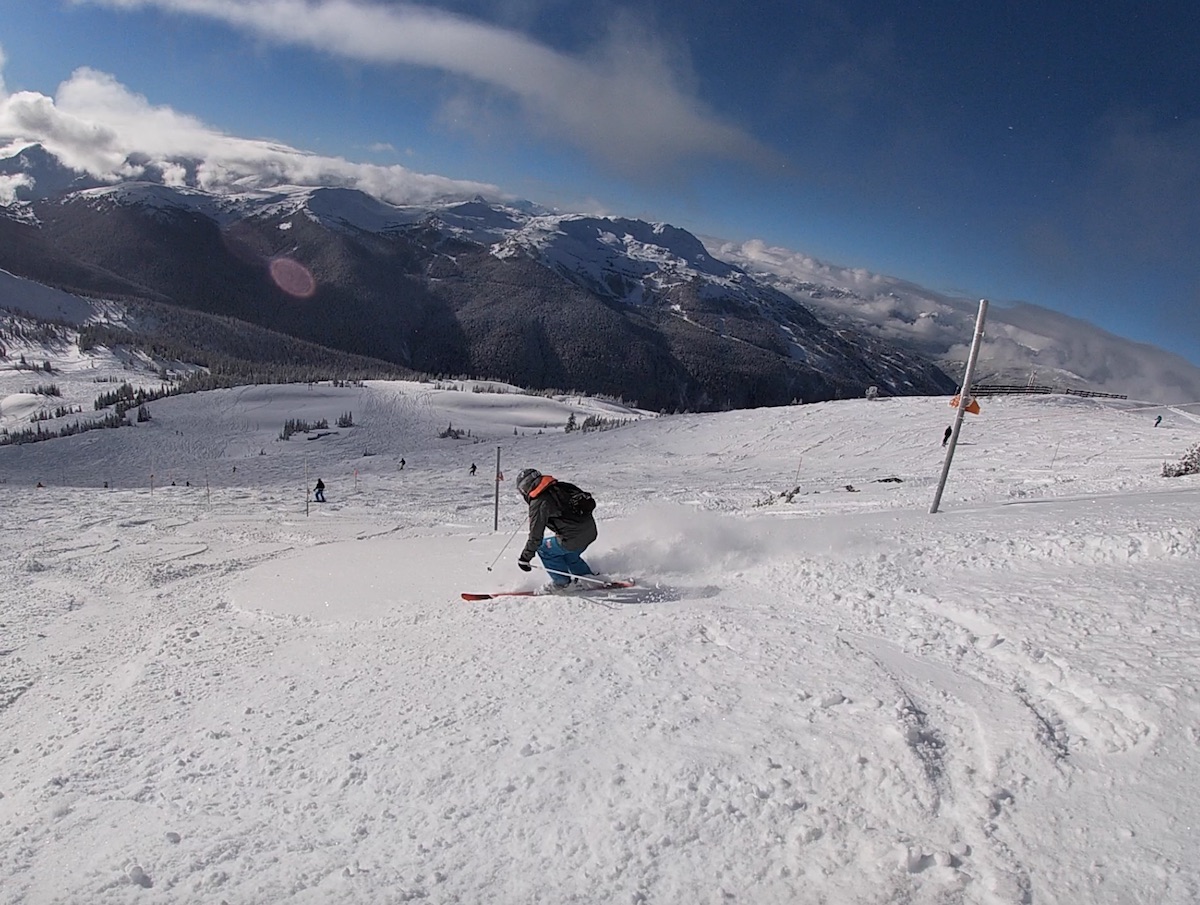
[[548, 509]]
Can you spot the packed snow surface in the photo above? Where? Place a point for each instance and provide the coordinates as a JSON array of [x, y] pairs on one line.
[[213, 690]]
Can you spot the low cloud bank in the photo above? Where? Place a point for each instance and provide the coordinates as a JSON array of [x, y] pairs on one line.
[[97, 126]]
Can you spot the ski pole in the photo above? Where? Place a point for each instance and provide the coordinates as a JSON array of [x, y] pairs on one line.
[[572, 575], [505, 547]]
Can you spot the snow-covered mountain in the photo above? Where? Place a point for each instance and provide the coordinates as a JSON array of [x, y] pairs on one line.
[[646, 311], [1022, 343], [33, 173], [630, 309]]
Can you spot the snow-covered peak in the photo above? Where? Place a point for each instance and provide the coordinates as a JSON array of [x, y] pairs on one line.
[[338, 207], [621, 258], [222, 208], [31, 172]]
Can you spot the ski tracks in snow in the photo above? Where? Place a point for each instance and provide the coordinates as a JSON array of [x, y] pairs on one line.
[[118, 625], [996, 713], [837, 699]]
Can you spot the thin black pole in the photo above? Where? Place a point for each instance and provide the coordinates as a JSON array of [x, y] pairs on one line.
[[496, 514]]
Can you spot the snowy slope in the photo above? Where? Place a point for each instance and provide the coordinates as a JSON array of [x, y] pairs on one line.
[[66, 394], [43, 302], [818, 693]]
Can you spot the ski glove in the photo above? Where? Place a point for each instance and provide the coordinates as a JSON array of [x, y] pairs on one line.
[[524, 566]]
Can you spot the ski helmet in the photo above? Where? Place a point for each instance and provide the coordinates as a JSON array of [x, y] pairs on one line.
[[527, 480]]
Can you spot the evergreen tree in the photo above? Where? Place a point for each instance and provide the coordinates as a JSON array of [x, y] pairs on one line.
[[1188, 465]]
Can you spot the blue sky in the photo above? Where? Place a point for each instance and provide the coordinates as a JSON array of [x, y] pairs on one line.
[[1043, 155]]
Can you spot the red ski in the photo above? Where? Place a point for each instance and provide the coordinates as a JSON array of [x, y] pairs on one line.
[[583, 588]]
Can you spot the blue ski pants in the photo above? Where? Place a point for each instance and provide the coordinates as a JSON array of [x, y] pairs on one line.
[[558, 560]]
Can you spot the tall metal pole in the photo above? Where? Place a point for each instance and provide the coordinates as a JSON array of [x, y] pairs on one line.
[[964, 399], [496, 514]]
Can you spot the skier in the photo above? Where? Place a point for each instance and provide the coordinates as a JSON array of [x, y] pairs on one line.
[[1158, 421], [946, 436], [319, 491], [402, 465], [472, 469], [549, 507]]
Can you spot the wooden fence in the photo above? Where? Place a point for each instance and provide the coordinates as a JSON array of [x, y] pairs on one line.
[[1006, 389]]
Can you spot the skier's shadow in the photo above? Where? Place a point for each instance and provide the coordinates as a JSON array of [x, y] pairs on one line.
[[657, 594]]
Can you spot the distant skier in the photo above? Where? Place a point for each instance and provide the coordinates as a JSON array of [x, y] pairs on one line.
[[551, 506], [472, 469], [946, 436], [402, 465], [319, 491], [1158, 421]]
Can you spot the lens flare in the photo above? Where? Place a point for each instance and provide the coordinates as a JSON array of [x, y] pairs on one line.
[[293, 278]]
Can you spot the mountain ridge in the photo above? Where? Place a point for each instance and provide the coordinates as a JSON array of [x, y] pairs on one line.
[[701, 323], [613, 306]]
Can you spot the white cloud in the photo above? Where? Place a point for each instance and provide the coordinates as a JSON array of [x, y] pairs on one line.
[[96, 125], [623, 104], [9, 185]]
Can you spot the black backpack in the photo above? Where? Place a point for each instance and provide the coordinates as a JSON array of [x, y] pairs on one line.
[[575, 501]]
